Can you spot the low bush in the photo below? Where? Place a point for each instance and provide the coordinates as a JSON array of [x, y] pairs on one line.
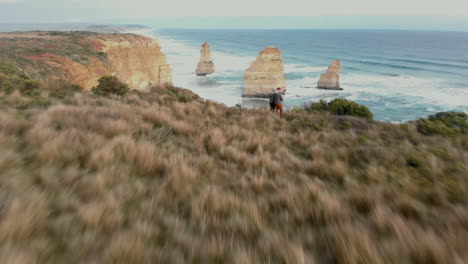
[[61, 88], [26, 86], [341, 107], [56, 88], [30, 87], [444, 123], [34, 102], [8, 84], [110, 85], [8, 68]]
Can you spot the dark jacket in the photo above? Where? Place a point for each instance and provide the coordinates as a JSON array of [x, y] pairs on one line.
[[272, 98], [278, 98]]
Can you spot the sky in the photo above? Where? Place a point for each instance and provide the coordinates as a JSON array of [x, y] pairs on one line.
[[359, 14]]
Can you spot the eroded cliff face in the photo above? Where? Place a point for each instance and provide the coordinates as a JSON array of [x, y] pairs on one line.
[[83, 57], [136, 60], [264, 74], [206, 65]]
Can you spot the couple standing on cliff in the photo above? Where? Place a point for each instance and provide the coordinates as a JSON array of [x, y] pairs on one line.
[[276, 101]]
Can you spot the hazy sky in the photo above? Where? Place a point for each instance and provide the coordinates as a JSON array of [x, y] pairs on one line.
[[324, 13]]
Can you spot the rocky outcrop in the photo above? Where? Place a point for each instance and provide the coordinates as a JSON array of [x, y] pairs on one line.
[[84, 57], [331, 79], [264, 74], [136, 60], [206, 65]]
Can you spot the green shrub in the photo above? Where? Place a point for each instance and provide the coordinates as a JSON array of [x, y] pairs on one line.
[[61, 88], [345, 125], [110, 85], [34, 102], [183, 98], [26, 86], [341, 107], [170, 92], [321, 106], [444, 123], [8, 84], [30, 87], [8, 68], [56, 88]]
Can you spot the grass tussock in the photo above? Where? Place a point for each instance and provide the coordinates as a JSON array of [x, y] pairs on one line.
[[164, 177]]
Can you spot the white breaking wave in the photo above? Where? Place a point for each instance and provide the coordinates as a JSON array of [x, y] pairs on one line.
[[429, 90], [362, 87], [290, 68]]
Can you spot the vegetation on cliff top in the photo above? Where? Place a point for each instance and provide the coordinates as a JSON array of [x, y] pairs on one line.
[[27, 53], [108, 85], [340, 107], [445, 123], [165, 177]]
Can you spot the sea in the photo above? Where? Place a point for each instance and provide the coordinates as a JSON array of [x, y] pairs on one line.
[[398, 75]]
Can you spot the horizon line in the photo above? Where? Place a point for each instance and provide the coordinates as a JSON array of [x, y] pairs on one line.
[[230, 28], [337, 29]]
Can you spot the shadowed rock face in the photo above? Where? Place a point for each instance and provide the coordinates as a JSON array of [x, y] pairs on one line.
[[206, 65], [331, 79], [264, 74]]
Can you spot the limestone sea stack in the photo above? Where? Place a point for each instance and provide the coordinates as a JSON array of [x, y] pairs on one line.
[[206, 65], [331, 79], [264, 74]]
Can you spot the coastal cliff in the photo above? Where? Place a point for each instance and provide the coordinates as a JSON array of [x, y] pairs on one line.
[[206, 65], [264, 74], [136, 60], [83, 57]]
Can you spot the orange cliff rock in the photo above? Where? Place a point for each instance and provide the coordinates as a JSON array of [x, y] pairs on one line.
[[264, 74], [134, 59]]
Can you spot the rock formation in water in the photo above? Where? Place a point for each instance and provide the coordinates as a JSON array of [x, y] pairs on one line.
[[206, 65], [84, 57], [331, 79], [264, 74]]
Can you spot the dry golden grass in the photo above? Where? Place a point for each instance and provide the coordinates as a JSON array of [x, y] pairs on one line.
[[152, 178]]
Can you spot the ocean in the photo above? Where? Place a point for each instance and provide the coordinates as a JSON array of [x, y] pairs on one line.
[[399, 75]]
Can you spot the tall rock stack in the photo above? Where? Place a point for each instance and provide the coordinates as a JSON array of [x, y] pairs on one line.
[[331, 79], [264, 74], [206, 65]]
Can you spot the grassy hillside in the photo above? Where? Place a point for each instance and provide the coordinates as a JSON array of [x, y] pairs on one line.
[[165, 177], [33, 53]]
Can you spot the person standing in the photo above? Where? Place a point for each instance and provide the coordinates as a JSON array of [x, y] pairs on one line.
[[279, 102], [272, 100]]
